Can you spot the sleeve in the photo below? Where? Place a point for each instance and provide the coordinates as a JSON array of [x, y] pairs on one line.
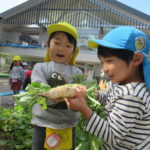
[[38, 74], [119, 121], [78, 71], [22, 75], [102, 97]]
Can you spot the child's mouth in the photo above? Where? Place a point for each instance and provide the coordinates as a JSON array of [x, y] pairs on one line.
[[110, 77], [60, 55]]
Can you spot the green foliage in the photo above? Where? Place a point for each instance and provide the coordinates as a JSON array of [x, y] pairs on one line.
[[15, 123], [84, 140], [16, 128], [27, 99]]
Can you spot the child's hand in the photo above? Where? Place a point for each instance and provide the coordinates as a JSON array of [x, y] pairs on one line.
[[78, 103]]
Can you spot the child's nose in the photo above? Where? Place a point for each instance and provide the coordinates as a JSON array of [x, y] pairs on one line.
[[60, 47]]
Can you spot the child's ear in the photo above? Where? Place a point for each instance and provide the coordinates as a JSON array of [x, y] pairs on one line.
[[137, 58]]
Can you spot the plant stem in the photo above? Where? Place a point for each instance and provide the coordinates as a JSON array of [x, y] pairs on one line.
[[93, 100]]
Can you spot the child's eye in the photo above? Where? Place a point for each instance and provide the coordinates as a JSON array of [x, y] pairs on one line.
[[68, 46], [109, 60], [57, 43]]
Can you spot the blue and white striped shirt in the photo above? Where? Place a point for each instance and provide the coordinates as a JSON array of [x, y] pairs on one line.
[[127, 125]]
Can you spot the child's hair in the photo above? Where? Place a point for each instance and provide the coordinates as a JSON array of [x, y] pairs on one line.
[[124, 54], [11, 66], [71, 39]]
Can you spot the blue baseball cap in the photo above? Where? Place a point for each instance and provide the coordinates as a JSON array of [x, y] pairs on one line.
[[129, 38]]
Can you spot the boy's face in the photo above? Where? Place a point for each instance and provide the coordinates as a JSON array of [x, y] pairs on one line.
[[118, 70], [61, 50]]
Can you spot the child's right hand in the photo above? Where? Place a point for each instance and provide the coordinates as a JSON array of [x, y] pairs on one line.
[[78, 103]]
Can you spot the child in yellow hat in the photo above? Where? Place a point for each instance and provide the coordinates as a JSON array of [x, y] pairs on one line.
[[53, 127], [16, 75]]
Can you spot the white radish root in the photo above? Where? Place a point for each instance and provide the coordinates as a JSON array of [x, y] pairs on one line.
[[59, 93]]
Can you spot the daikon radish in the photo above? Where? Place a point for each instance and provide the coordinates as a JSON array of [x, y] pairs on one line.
[[58, 93]]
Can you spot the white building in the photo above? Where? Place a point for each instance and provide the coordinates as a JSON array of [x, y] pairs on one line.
[[23, 28]]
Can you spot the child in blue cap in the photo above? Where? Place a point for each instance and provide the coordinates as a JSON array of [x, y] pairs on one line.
[[124, 55]]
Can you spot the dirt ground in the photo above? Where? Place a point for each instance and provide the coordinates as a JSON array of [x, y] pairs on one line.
[[5, 101]]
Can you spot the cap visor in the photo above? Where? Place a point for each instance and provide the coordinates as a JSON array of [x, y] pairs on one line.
[[96, 43]]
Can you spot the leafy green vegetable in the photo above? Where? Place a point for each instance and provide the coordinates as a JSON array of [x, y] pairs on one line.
[[84, 140], [31, 96], [15, 123]]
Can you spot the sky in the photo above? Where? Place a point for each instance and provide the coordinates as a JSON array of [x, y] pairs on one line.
[[7, 4], [141, 5]]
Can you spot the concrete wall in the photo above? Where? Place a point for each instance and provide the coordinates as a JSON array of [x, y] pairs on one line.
[[43, 37], [12, 37]]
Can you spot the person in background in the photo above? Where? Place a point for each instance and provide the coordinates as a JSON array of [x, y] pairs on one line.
[[124, 55], [28, 73], [16, 75], [56, 123], [25, 66], [27, 79]]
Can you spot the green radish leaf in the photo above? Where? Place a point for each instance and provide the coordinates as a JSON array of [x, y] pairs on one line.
[[36, 84]]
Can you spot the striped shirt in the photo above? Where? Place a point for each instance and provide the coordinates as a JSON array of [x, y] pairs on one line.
[[127, 123]]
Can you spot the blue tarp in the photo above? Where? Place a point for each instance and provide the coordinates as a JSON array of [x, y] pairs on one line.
[[22, 46], [7, 93]]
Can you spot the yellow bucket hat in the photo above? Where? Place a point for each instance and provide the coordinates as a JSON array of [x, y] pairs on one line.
[[65, 27], [62, 26], [17, 58]]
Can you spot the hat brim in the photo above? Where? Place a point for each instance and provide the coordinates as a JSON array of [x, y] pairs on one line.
[[97, 43], [24, 64], [61, 27]]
